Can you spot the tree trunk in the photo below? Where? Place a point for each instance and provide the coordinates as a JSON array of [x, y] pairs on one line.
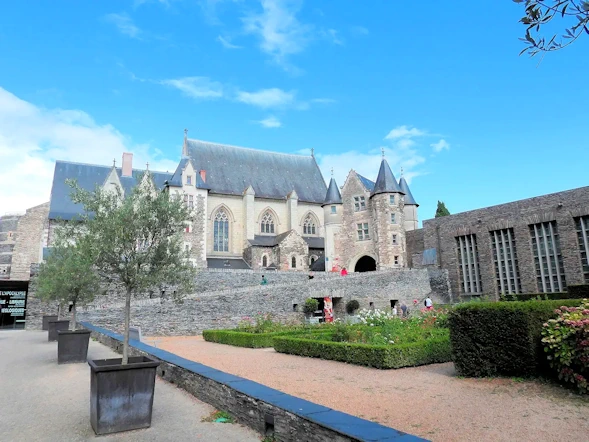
[[127, 320], [74, 316]]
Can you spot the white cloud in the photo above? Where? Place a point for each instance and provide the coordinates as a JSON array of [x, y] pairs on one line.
[[267, 98], [226, 43], [270, 122], [359, 30], [404, 132], [332, 35], [196, 87], [323, 100], [125, 24], [440, 146], [281, 34], [32, 138]]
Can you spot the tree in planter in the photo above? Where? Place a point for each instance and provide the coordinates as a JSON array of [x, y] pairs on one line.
[[136, 241], [311, 305], [68, 275]]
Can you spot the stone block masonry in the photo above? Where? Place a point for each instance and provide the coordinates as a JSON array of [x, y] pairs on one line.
[[225, 309]]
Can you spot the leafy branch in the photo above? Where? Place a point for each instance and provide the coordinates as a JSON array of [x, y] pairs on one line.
[[540, 12]]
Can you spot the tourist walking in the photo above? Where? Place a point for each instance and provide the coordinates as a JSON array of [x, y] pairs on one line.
[[395, 313], [264, 280], [403, 310]]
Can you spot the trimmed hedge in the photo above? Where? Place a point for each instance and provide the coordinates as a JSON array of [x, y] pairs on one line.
[[251, 340], [500, 338], [380, 356], [574, 292]]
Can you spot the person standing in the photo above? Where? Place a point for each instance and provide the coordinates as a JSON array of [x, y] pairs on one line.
[[403, 310], [344, 272], [429, 305], [264, 280], [395, 312]]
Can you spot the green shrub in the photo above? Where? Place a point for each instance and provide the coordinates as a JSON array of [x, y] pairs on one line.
[[254, 340], [578, 291], [311, 305], [500, 338], [380, 356], [574, 294], [566, 343], [352, 306]]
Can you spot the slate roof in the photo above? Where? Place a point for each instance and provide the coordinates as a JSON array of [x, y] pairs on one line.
[[333, 195], [409, 200], [366, 182], [88, 177], [385, 182], [314, 242], [227, 263], [230, 170]]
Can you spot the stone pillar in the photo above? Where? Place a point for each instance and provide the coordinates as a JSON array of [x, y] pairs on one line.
[[292, 202], [249, 221]]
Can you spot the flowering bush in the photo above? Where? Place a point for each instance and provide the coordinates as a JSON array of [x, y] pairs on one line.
[[566, 341], [375, 317]]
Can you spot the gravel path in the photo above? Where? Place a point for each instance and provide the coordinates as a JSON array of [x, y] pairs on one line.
[[41, 401], [428, 401]]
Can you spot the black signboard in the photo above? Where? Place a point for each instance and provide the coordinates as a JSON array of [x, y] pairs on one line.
[[13, 304]]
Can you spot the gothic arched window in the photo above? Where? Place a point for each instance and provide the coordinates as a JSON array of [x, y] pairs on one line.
[[267, 224], [293, 262], [221, 232], [309, 227], [264, 261]]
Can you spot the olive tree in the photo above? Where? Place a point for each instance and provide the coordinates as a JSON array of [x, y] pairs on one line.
[[68, 275], [538, 13], [136, 240]]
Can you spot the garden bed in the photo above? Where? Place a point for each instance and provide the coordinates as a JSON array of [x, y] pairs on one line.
[[240, 338]]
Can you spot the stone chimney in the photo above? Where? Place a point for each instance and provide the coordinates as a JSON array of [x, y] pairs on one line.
[[127, 164], [203, 175]]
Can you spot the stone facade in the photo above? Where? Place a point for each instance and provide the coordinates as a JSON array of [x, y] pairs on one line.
[[390, 253], [562, 208], [8, 236]]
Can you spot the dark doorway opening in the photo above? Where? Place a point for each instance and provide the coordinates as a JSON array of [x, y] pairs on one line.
[[365, 264]]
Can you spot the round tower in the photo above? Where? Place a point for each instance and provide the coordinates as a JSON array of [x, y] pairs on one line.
[[411, 219], [388, 219], [332, 216]]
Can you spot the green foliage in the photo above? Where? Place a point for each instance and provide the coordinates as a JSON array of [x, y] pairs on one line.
[[68, 274], [538, 13], [577, 292], [566, 343], [219, 416], [379, 356], [254, 340], [136, 240], [441, 210], [500, 338], [311, 305], [352, 306]]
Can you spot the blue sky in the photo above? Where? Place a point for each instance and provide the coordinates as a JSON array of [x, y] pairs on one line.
[[440, 87]]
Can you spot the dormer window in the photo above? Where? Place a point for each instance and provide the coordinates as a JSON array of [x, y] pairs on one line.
[[189, 180]]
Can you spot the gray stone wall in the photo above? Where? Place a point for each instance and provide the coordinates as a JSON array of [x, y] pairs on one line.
[[441, 233], [28, 247], [415, 247], [8, 236], [36, 308], [226, 309], [293, 246], [384, 230], [196, 236]]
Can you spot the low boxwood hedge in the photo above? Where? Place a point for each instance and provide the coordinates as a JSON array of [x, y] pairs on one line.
[[500, 338], [251, 340], [574, 292], [380, 356]]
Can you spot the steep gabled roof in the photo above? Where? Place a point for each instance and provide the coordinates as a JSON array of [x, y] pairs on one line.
[[88, 176], [385, 182], [369, 185], [230, 170], [409, 200], [176, 179], [333, 195]]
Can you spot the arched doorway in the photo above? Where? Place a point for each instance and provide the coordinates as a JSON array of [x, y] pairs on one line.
[[365, 264]]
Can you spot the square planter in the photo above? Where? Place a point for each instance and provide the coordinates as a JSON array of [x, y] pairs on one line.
[[121, 396], [46, 319], [72, 346], [54, 326]]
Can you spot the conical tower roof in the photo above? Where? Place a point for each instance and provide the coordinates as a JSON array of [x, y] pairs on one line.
[[385, 182], [409, 200], [333, 195]]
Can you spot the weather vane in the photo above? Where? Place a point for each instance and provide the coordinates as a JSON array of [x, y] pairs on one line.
[[114, 162], [382, 150], [332, 172]]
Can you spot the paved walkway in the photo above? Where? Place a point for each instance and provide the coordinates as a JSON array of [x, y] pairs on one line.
[[43, 401], [428, 401]]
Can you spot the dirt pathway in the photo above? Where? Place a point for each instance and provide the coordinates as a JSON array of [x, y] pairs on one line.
[[428, 401]]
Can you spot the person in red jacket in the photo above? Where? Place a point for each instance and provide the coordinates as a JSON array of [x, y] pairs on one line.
[[344, 272]]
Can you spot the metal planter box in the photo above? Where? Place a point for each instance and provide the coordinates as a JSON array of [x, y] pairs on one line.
[[72, 346], [54, 326]]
